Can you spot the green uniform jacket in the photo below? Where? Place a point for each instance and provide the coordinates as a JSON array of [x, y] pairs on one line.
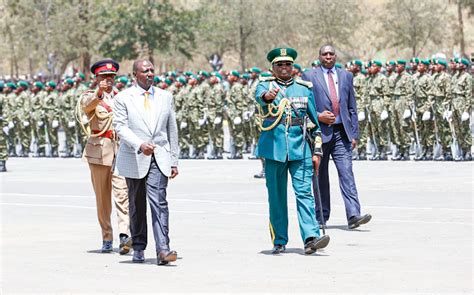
[[280, 144]]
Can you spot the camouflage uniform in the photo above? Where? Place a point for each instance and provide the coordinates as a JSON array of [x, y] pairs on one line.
[[23, 125], [181, 101], [236, 105], [254, 131], [51, 108], [424, 89], [360, 88], [378, 93], [442, 100], [401, 100], [197, 108], [10, 116], [462, 103], [216, 119], [3, 134], [37, 121], [68, 121]]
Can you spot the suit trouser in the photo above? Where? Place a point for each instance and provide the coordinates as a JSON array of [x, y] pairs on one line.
[[153, 186], [339, 147], [104, 182], [276, 175]]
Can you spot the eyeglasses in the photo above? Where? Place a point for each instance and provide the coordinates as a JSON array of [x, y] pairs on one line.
[[283, 64]]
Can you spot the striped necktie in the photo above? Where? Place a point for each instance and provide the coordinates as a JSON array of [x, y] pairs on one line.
[[333, 94]]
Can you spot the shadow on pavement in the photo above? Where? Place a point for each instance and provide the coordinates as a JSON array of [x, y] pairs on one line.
[[148, 261], [298, 251]]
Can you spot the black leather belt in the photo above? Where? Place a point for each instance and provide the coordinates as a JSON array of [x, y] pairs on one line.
[[294, 121]]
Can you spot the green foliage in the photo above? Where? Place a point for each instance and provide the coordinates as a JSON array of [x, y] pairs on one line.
[[133, 30]]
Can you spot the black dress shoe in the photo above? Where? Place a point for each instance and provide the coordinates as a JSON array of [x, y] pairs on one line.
[[277, 249], [312, 244], [166, 256], [138, 256], [356, 221], [260, 175]]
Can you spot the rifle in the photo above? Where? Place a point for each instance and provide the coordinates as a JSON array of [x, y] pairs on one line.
[[455, 147], [48, 149], [418, 148], [374, 141], [437, 149]]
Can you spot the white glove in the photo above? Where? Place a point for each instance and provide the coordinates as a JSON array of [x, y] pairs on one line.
[[406, 114], [183, 125], [447, 115], [40, 124], [26, 123], [465, 116], [384, 115], [246, 116], [71, 124], [11, 125], [217, 120], [237, 121], [85, 120], [426, 116], [361, 116], [6, 130], [202, 121], [55, 124]]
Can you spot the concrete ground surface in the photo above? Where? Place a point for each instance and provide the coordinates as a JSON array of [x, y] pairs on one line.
[[420, 239]]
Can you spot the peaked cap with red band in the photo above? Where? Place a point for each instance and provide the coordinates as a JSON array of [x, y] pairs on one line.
[[106, 66]]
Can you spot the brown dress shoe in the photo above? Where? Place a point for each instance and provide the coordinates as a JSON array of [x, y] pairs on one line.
[[166, 256]]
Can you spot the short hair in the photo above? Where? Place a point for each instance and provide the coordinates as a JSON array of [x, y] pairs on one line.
[[324, 46], [137, 63]]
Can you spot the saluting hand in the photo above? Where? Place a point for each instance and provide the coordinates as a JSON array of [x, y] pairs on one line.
[[103, 86], [270, 95]]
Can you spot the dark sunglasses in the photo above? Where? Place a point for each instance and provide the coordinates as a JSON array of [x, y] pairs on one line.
[[283, 64]]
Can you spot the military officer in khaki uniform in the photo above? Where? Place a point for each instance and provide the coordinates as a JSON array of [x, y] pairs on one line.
[[100, 152]]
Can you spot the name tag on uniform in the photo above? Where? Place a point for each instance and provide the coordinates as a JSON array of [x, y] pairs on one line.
[[299, 102]]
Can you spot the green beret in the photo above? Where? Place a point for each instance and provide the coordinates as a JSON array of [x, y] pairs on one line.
[[23, 84], [255, 70], [51, 84], [39, 84], [377, 62], [465, 61], [357, 62], [188, 73], [204, 73], [297, 66], [168, 81], [2, 84], [425, 62], [266, 74], [123, 80], [316, 62], [440, 61], [246, 76], [282, 54], [401, 62], [156, 79], [415, 60], [338, 65], [390, 62], [305, 70], [81, 75], [11, 85], [219, 76], [235, 73], [182, 80], [69, 81], [171, 73], [364, 71]]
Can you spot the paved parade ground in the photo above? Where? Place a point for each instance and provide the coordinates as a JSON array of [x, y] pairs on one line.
[[419, 240]]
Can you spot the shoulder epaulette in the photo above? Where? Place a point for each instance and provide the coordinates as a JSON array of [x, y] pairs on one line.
[[263, 79], [305, 83]]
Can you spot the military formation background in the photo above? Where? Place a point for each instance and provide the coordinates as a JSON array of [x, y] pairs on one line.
[[420, 107]]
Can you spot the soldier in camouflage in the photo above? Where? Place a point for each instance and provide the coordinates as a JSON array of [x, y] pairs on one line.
[[215, 115]]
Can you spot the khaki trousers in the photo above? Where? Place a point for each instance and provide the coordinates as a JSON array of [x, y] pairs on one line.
[[104, 182]]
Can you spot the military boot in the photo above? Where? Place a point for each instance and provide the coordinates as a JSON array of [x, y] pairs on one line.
[[3, 167]]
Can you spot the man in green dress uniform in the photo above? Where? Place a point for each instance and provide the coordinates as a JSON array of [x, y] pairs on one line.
[[285, 105]]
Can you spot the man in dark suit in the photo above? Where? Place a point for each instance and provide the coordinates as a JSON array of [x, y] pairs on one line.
[[337, 114]]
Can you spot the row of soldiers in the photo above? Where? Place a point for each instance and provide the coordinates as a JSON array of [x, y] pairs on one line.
[[427, 111]]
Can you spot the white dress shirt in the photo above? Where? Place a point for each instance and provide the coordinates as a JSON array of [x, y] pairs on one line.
[[336, 81]]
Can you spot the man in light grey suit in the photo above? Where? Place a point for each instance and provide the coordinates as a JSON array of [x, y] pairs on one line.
[[148, 155]]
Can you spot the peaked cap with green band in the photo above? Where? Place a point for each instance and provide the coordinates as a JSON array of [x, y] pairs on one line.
[[281, 54]]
